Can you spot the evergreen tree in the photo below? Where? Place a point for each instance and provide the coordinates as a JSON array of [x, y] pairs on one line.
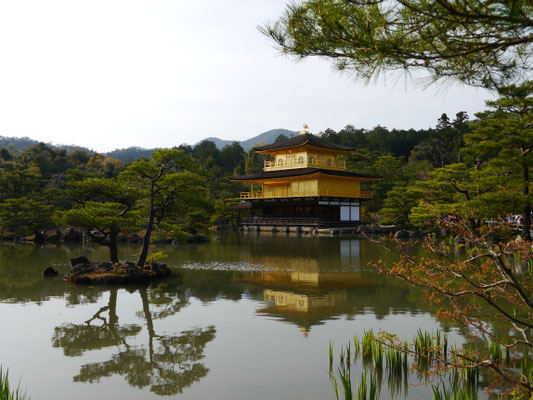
[[501, 147], [481, 43]]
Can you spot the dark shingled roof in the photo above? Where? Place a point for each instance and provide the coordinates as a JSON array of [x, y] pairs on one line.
[[299, 172], [300, 140]]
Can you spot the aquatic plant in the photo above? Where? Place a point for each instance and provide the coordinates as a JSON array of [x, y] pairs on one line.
[[361, 387], [330, 355], [346, 381], [8, 393]]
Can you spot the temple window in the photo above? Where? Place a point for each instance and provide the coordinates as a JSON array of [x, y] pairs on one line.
[[280, 162], [329, 162], [311, 160], [300, 160]]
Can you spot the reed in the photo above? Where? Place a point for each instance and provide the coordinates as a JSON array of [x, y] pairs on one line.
[[373, 389], [335, 386], [368, 346], [526, 367], [356, 346], [377, 355], [507, 355], [437, 395], [495, 350], [330, 355], [456, 392], [346, 381], [8, 393], [361, 388], [348, 355]]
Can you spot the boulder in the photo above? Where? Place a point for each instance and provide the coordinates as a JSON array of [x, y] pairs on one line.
[[137, 237], [50, 272], [113, 274], [79, 261], [416, 234], [35, 238], [401, 234], [72, 235], [52, 236]]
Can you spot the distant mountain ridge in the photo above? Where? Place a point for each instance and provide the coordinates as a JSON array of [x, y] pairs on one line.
[[25, 142], [266, 137], [136, 152]]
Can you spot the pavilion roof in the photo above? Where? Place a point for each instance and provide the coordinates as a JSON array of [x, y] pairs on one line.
[[301, 140], [300, 172]]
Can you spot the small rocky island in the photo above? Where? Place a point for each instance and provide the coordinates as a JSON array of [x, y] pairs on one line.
[[85, 272]]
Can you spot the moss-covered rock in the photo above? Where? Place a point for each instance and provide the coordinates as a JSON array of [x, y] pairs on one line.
[[115, 274]]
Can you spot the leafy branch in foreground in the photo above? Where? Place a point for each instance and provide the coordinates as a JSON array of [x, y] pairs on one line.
[[477, 42], [486, 290]]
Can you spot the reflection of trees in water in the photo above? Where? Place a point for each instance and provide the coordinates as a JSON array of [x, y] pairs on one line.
[[167, 364], [167, 367], [77, 339]]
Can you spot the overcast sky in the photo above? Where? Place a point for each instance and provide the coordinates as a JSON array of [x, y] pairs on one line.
[[112, 74]]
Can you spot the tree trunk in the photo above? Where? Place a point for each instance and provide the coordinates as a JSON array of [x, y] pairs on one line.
[[526, 212], [149, 323], [113, 248], [149, 228]]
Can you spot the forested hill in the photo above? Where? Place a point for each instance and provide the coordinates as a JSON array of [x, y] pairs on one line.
[[25, 142], [133, 153], [267, 137]]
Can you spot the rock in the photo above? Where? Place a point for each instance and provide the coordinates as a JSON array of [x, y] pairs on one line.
[[386, 228], [443, 232], [29, 238], [52, 236], [79, 260], [198, 238], [72, 235], [112, 274], [50, 272], [137, 237], [401, 234], [35, 238], [416, 234]]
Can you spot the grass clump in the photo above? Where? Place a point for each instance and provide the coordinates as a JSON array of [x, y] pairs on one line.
[[7, 392]]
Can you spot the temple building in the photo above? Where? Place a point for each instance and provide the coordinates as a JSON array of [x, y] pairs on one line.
[[305, 184]]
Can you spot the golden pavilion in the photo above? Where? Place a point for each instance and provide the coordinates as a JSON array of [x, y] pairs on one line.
[[305, 184]]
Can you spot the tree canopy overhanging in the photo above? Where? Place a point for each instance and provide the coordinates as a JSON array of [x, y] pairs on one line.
[[483, 43]]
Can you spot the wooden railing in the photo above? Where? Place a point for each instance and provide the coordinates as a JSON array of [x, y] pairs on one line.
[[281, 221], [291, 164], [302, 193], [251, 195], [284, 221]]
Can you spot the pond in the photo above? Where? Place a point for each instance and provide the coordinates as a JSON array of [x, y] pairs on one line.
[[245, 316]]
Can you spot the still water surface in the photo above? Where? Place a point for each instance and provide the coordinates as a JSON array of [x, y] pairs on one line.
[[248, 316]]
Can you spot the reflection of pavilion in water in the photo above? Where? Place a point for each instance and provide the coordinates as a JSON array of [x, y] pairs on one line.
[[275, 252], [300, 293]]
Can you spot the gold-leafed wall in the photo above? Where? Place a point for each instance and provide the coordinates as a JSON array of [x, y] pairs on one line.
[[330, 186]]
